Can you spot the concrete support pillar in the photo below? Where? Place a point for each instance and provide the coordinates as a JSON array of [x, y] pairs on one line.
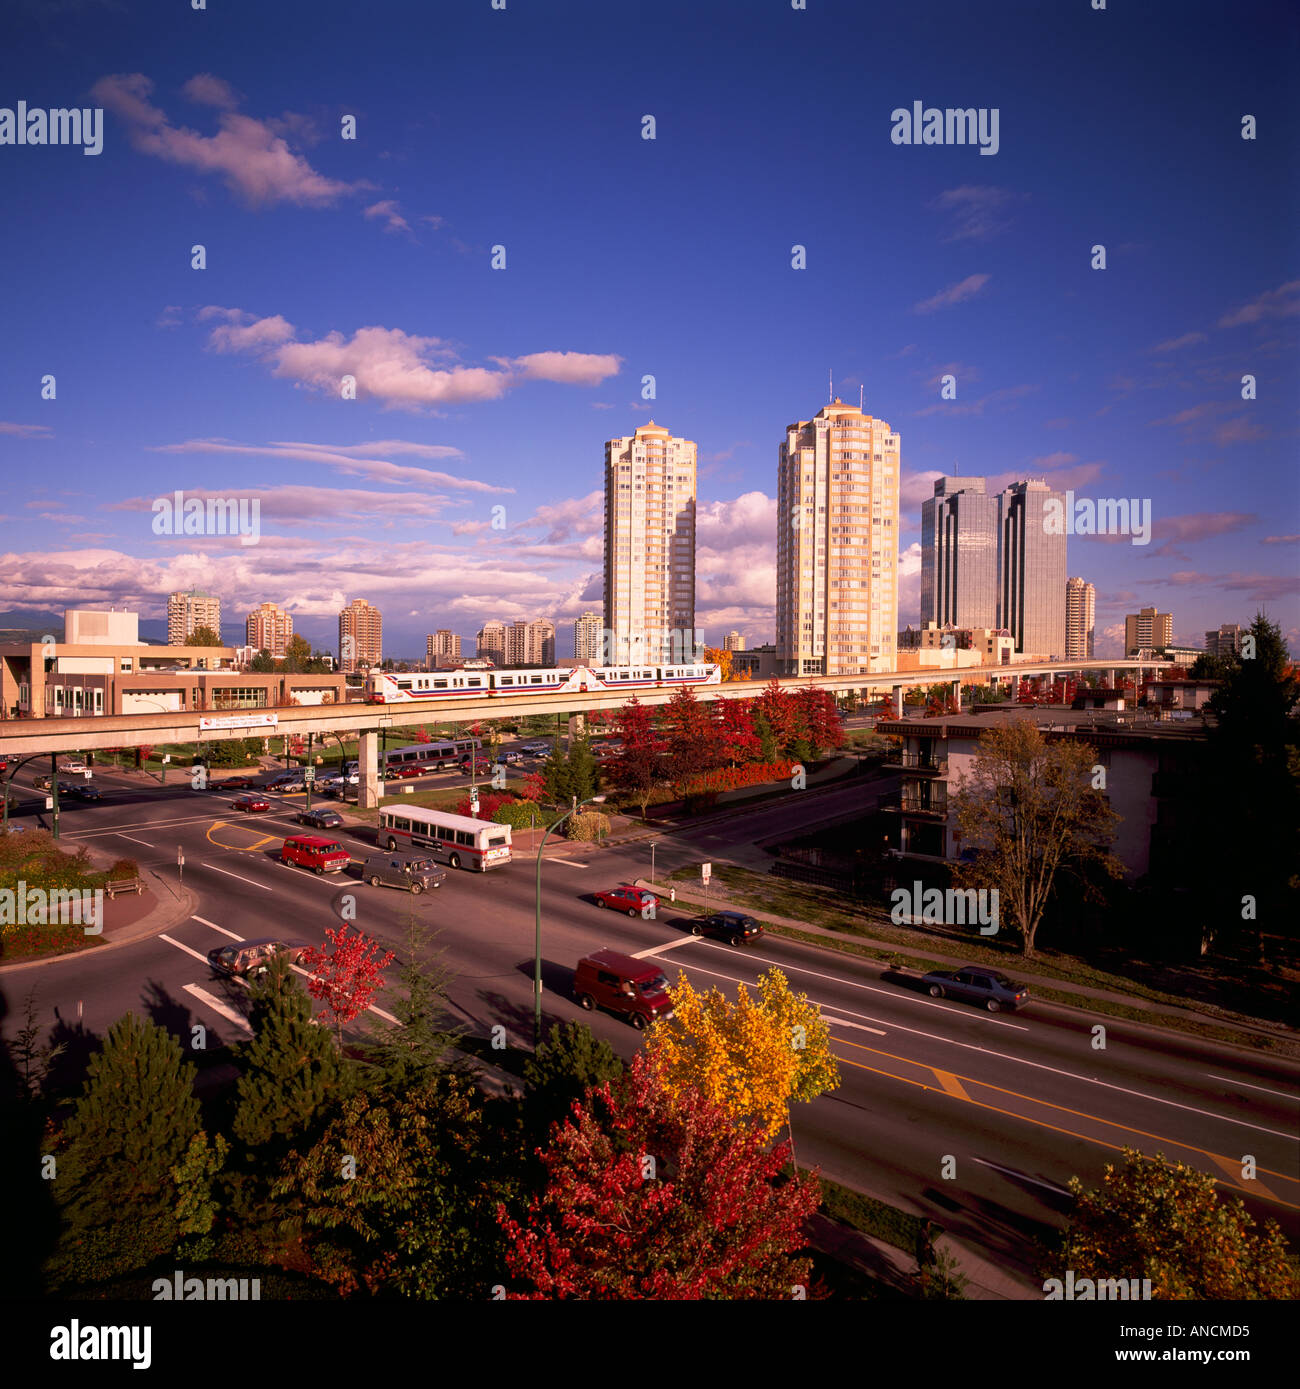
[[956, 693], [1110, 678], [368, 771], [577, 727], [898, 701]]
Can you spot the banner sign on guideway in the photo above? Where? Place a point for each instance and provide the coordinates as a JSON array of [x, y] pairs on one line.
[[242, 721]]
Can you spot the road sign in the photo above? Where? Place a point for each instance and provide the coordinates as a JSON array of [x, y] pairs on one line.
[[180, 857], [309, 775], [49, 803], [167, 757], [706, 872], [242, 721]]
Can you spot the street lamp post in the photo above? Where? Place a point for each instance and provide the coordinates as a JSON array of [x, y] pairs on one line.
[[537, 954]]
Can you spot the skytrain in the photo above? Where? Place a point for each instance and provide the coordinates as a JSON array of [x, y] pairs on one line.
[[384, 687]]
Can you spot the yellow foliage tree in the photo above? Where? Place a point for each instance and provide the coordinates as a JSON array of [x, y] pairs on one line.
[[715, 655], [753, 1056]]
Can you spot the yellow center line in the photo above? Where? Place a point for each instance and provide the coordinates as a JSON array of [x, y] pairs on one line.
[[1225, 1163], [238, 848]]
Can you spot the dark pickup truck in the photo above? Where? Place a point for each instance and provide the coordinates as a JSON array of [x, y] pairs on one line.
[[976, 984]]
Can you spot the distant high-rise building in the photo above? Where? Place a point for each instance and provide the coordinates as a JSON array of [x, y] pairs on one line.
[[1225, 642], [361, 636], [1147, 630], [1080, 619], [586, 639], [1031, 568], [530, 643], [650, 547], [959, 554], [733, 641], [269, 628], [187, 612], [491, 642], [442, 643], [837, 544]]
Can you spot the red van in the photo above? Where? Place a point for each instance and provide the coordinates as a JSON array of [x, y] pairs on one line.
[[636, 989], [314, 852]]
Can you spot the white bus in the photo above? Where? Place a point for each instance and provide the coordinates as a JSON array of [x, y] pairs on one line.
[[457, 840], [435, 756]]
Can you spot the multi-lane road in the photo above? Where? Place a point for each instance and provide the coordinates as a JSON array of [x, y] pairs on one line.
[[975, 1119]]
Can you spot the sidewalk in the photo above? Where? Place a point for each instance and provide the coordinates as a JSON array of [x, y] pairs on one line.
[[720, 900], [129, 917]]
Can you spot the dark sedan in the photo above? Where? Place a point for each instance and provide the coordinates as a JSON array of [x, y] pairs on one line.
[[734, 927], [977, 984], [249, 958], [321, 819], [82, 792]]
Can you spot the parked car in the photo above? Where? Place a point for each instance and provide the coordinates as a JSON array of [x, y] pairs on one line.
[[83, 791], [45, 783], [976, 984], [246, 959], [636, 989], [734, 927], [232, 783], [290, 781], [250, 804], [626, 898], [320, 819], [415, 873], [314, 852]]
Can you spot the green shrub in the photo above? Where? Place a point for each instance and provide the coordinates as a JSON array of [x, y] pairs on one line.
[[587, 826]]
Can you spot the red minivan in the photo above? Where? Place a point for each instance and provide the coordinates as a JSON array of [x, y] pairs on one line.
[[635, 988], [314, 852]]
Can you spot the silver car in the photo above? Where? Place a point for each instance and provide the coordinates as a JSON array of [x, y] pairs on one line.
[[413, 872]]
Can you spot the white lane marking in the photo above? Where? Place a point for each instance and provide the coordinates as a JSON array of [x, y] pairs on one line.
[[387, 1017], [844, 1022], [202, 959], [1020, 1177], [134, 840], [1281, 1094], [215, 927], [659, 949], [1037, 1065], [570, 862], [240, 876], [218, 1007]]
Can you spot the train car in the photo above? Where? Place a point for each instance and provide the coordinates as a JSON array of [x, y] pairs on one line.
[[385, 687]]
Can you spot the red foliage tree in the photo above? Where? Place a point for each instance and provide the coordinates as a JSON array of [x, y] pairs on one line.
[[639, 767], [143, 752], [694, 742], [820, 717], [422, 735], [347, 975], [779, 707], [655, 1196], [740, 743], [534, 785]]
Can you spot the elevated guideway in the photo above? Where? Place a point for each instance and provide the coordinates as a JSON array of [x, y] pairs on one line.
[[22, 737]]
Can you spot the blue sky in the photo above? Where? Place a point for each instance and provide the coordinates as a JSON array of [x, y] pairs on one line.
[[627, 257]]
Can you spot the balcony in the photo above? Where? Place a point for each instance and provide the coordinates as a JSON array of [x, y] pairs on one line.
[[918, 762], [916, 800]]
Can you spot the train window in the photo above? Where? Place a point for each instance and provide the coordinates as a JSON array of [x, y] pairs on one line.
[[473, 683], [505, 680], [536, 680], [439, 684]]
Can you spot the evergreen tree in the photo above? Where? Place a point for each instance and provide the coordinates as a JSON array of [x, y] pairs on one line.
[[133, 1123], [1254, 748], [568, 1062], [420, 1042], [291, 1069]]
